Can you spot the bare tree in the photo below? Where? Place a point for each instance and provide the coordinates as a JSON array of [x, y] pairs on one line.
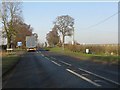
[[22, 30], [64, 25], [10, 12]]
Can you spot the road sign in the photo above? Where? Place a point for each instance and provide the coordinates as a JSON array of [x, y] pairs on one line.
[[19, 43]]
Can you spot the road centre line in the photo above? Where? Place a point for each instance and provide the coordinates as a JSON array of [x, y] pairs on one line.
[[42, 55], [62, 62], [66, 63], [99, 76], [56, 63], [84, 78], [53, 58], [47, 58], [99, 81]]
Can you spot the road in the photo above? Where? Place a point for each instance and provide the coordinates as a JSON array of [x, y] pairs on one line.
[[44, 69]]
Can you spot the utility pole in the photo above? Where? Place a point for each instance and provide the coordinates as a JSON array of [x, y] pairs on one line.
[[73, 37]]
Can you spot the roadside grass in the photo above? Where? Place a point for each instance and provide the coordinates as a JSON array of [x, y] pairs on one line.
[[8, 62], [101, 58], [9, 59]]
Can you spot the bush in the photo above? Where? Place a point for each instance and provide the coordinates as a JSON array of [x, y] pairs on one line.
[[94, 49], [4, 47]]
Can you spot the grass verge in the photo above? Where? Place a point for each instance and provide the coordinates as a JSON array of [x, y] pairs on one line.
[[9, 60], [93, 57]]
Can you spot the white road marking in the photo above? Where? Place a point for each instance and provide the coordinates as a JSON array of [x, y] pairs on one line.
[[62, 62], [66, 63], [53, 58], [99, 76], [84, 74], [84, 78], [98, 81], [42, 55], [47, 58], [56, 63]]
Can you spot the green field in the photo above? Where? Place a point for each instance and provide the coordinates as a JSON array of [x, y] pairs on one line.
[[94, 57]]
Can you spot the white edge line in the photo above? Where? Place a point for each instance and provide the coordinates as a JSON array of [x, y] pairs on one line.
[[84, 78], [66, 63], [98, 76], [56, 63], [53, 1]]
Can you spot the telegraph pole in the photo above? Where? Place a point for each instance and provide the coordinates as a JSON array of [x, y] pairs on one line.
[[73, 37]]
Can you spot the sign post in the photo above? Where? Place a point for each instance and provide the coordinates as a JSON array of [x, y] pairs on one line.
[[19, 44], [87, 51]]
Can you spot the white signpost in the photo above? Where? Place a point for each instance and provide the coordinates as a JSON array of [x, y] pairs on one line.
[[19, 44], [87, 51]]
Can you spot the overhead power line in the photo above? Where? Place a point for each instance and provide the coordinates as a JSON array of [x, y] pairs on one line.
[[103, 21]]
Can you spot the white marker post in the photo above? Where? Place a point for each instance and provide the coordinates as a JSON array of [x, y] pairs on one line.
[[87, 51]]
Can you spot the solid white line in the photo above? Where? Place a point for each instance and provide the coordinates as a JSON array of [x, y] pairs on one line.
[[84, 78], [56, 63], [66, 63], [99, 76]]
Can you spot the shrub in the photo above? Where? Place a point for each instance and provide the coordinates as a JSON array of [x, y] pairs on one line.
[[95, 49]]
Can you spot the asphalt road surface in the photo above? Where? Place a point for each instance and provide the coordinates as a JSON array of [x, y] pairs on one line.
[[43, 69]]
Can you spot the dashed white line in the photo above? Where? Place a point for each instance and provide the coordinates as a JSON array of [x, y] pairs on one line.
[[56, 63], [84, 78], [53, 58], [62, 62], [100, 81], [42, 55], [85, 74], [47, 58], [99, 76], [65, 63]]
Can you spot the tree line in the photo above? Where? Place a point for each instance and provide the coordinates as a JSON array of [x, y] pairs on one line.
[[14, 28]]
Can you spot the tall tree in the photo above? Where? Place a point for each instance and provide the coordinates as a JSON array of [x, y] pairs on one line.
[[22, 30], [10, 11], [53, 37], [64, 25]]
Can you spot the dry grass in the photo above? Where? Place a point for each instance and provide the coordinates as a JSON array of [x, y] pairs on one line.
[[0, 53], [3, 53]]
